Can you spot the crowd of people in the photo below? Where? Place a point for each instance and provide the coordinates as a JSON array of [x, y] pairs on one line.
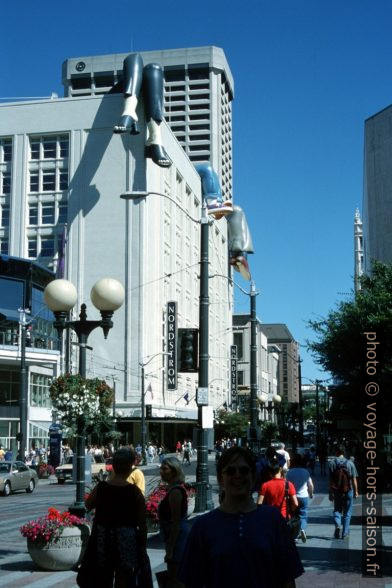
[[249, 539]]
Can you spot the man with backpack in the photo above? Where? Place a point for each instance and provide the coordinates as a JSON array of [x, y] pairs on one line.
[[342, 489]]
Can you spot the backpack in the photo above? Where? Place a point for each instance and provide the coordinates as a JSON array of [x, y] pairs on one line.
[[340, 477]]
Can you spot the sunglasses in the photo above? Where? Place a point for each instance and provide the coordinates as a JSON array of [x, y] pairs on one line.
[[232, 470]]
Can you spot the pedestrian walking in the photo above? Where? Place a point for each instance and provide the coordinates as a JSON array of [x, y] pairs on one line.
[[173, 512], [300, 477], [178, 448], [238, 544], [151, 453], [282, 451], [186, 456], [274, 491], [343, 488], [117, 547]]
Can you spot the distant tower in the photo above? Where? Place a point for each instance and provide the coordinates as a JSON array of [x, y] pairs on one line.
[[358, 250]]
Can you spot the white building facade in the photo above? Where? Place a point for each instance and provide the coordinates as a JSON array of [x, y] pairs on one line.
[[68, 167]]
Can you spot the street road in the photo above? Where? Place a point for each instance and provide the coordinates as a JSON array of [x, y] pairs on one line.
[[328, 562]]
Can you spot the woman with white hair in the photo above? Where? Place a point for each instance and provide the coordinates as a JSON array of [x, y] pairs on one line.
[[172, 512]]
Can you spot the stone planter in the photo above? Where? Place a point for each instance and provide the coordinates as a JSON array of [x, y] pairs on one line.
[[63, 554]]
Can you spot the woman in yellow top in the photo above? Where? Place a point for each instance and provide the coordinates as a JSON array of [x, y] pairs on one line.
[[137, 477]]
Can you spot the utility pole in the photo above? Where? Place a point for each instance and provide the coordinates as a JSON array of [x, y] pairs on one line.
[[253, 366]]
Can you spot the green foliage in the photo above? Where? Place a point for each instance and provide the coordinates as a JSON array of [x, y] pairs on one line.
[[232, 424], [341, 344], [269, 430]]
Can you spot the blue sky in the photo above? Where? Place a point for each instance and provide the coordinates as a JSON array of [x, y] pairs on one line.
[[307, 74]]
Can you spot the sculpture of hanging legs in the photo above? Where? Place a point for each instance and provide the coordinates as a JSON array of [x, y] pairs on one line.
[[153, 105], [150, 80], [133, 76], [211, 191], [240, 242]]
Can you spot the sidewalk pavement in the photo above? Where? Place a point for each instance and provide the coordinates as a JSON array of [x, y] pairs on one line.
[[328, 562]]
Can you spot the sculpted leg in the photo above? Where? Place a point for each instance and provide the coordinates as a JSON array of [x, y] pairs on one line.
[[212, 192], [153, 103], [133, 75]]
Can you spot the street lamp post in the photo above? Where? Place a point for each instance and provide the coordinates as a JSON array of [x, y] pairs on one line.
[[253, 366], [203, 499], [143, 402], [23, 386], [107, 295], [253, 358]]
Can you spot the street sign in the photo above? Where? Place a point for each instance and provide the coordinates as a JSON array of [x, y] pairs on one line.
[[202, 397], [171, 345]]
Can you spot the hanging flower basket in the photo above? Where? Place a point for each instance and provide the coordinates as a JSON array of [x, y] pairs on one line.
[[76, 398]]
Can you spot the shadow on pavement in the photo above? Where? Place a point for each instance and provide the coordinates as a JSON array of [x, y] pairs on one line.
[[343, 559], [19, 566]]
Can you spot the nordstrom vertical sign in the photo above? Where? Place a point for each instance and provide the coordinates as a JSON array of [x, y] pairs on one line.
[[171, 345], [233, 377]]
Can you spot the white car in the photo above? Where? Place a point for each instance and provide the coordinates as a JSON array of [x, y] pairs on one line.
[[98, 469]]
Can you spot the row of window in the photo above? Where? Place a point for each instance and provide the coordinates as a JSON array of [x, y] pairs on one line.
[[49, 147], [47, 213], [40, 213], [49, 181], [41, 246]]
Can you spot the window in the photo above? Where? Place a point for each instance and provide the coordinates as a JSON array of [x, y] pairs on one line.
[[49, 148], [63, 212], [9, 388], [63, 147], [49, 181], [48, 213], [4, 246], [39, 390], [34, 149], [47, 247], [32, 247], [6, 183], [33, 214], [240, 378], [5, 215], [7, 150], [63, 184], [34, 182], [238, 340]]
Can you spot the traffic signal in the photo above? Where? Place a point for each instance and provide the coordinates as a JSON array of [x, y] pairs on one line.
[[148, 411], [187, 350]]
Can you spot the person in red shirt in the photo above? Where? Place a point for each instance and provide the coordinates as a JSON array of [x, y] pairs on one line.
[[273, 492]]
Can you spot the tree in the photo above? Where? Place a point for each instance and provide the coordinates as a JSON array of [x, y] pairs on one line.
[[231, 424], [269, 430], [356, 333]]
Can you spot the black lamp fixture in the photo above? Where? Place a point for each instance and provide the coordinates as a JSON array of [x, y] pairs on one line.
[[107, 295]]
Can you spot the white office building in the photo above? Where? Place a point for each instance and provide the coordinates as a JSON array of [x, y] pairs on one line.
[[60, 163]]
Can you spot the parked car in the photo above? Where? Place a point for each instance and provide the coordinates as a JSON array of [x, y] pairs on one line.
[[98, 469], [16, 475]]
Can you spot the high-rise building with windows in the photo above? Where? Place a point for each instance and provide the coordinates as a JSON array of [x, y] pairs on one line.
[[198, 93], [377, 197]]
